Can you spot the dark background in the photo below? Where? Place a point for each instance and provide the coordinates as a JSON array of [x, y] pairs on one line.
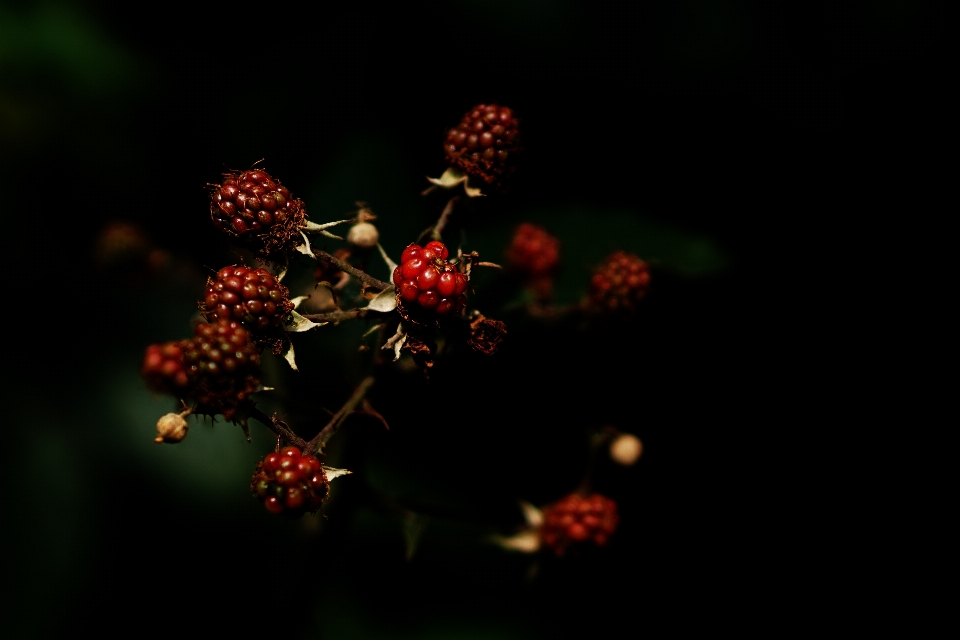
[[715, 138]]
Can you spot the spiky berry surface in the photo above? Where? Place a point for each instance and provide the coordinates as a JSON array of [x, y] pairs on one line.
[[223, 366], [578, 522], [257, 211], [620, 283], [485, 143], [253, 297], [163, 367], [533, 251], [290, 483], [426, 281]]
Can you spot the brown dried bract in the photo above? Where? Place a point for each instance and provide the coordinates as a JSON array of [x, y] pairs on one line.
[[486, 334]]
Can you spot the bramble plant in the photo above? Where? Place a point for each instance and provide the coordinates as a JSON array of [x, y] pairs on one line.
[[420, 316]]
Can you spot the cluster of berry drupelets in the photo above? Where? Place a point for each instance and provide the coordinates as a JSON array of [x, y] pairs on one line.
[[290, 483]]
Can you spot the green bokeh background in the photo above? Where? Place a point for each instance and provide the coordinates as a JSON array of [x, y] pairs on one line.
[[699, 135]]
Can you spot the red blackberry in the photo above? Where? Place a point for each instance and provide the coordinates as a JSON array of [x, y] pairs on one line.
[[577, 522], [163, 367], [257, 211], [485, 144], [533, 251], [620, 283], [426, 281], [290, 483], [222, 364], [253, 297]]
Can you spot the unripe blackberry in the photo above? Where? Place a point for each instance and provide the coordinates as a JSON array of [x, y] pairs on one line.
[[533, 251], [485, 144], [290, 483], [257, 212], [426, 282], [163, 368], [619, 283], [253, 297], [223, 366], [577, 522]]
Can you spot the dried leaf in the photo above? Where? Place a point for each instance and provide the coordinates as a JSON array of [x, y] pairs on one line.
[[527, 541], [288, 356], [298, 300], [385, 301], [296, 323], [313, 227], [332, 472], [305, 247], [531, 514]]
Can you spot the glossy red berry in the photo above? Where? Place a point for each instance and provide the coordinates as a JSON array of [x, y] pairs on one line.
[[619, 283], [578, 522], [533, 251], [290, 483], [257, 211], [253, 297], [485, 143], [426, 281]]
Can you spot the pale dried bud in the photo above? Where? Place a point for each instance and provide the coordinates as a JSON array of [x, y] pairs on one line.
[[625, 449], [363, 235], [171, 428]]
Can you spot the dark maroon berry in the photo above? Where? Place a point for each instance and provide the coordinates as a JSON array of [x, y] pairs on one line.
[[253, 297], [222, 364], [163, 368], [619, 283], [533, 251], [257, 212], [485, 144]]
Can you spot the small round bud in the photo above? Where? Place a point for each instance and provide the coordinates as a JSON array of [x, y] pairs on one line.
[[171, 428], [363, 235], [626, 449]]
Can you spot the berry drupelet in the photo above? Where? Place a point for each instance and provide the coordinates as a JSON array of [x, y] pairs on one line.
[[223, 365], [577, 522], [425, 280], [619, 283], [257, 212], [253, 297], [485, 144], [290, 483]]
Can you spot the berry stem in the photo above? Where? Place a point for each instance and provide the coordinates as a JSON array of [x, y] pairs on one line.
[[362, 276], [278, 426], [337, 316], [318, 442], [444, 218]]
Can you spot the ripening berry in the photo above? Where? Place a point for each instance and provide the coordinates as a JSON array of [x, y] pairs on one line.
[[578, 522], [485, 144], [163, 367], [223, 366], [619, 283], [426, 281], [257, 212], [252, 297], [290, 483], [533, 251]]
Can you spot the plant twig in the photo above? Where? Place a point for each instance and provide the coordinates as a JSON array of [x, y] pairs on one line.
[[337, 316], [444, 217], [362, 276], [279, 427], [327, 432]]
